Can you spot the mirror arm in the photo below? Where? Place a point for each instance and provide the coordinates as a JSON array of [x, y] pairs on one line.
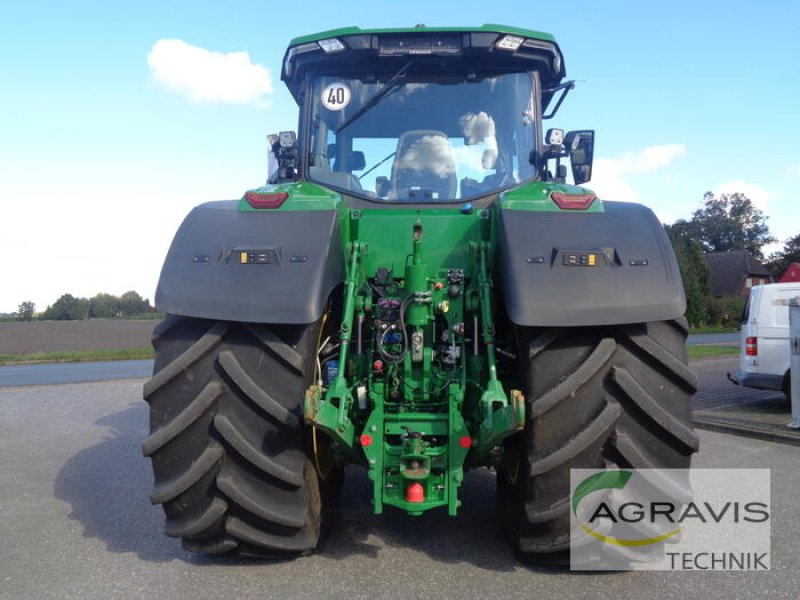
[[564, 88]]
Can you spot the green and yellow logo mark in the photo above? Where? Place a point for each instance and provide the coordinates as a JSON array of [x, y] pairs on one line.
[[605, 481]]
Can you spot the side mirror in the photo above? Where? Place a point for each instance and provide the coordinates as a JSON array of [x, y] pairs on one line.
[[580, 147], [352, 161], [357, 161]]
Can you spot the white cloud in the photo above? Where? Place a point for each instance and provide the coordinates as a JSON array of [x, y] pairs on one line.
[[207, 76], [83, 248], [469, 158], [611, 176], [653, 158], [759, 196], [429, 153], [104, 237], [608, 180], [793, 170]]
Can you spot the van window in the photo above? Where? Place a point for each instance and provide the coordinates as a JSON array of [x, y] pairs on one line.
[[746, 311], [751, 307], [781, 313]]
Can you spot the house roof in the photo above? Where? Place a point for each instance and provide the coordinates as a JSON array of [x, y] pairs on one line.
[[727, 271], [792, 273]]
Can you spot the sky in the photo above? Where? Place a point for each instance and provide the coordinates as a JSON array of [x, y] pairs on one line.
[[116, 118]]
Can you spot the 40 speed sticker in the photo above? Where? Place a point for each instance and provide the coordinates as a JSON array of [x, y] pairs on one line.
[[336, 96]]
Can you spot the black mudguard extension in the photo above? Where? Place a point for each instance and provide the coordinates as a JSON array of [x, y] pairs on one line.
[[294, 260], [635, 277]]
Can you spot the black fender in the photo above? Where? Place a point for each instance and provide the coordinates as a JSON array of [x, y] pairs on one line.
[[267, 266], [543, 269]]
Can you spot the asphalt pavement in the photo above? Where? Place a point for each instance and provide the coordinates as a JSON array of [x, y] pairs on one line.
[[57, 373], [723, 406], [723, 339], [76, 522]]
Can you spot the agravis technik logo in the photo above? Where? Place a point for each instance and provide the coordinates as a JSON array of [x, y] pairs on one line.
[[670, 519]]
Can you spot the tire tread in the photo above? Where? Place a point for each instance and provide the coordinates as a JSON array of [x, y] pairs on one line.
[[227, 445], [597, 397]]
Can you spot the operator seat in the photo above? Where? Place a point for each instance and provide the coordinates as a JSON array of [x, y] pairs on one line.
[[321, 172], [424, 167]]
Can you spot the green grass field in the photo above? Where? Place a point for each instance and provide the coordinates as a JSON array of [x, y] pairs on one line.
[[710, 351], [76, 356]]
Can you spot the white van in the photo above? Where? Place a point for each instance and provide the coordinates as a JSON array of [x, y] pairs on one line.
[[764, 356]]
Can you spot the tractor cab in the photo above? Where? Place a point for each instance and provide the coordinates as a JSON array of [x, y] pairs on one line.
[[423, 114]]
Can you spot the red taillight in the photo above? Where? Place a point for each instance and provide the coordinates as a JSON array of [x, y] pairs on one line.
[[415, 493], [573, 201], [265, 199], [751, 346]]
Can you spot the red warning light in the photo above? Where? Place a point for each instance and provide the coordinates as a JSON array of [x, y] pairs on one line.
[[265, 199], [415, 493], [465, 441], [573, 201], [366, 440]]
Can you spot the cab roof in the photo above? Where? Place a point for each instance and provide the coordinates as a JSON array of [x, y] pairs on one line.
[[488, 27], [488, 48]]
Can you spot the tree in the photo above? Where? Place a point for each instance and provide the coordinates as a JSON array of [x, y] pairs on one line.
[[729, 222], [102, 306], [105, 306], [26, 310], [689, 254], [780, 261], [68, 308], [131, 303]]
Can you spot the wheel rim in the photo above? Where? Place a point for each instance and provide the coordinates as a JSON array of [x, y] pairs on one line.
[[324, 461]]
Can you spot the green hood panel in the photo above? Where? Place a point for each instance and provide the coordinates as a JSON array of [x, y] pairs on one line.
[[537, 196]]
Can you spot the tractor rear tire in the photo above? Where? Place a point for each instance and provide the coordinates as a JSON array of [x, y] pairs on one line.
[[611, 397], [229, 450]]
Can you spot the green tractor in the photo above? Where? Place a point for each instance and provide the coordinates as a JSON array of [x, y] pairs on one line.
[[417, 290]]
